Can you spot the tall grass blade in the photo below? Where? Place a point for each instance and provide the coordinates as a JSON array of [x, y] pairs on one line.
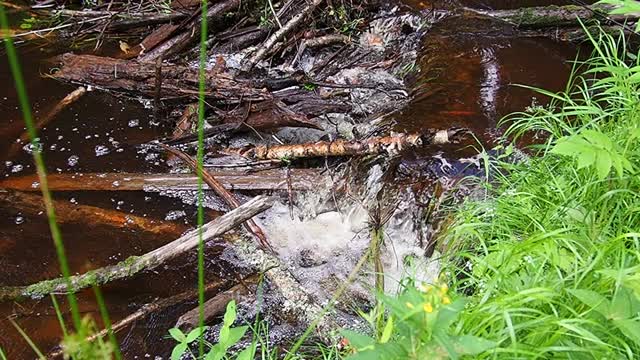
[[39, 162]]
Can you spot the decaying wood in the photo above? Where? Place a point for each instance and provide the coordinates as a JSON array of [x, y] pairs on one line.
[[139, 77], [45, 120], [191, 32], [220, 190], [549, 16], [215, 306], [66, 212], [277, 36], [188, 118], [270, 179], [148, 261], [146, 310], [371, 146]]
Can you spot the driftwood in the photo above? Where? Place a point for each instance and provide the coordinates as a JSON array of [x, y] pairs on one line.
[[136, 264], [139, 77], [215, 306], [371, 146], [66, 212], [219, 189], [271, 179], [146, 310], [46, 119], [550, 16], [264, 50]]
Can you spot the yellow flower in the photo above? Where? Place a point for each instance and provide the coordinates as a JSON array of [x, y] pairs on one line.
[[427, 307], [446, 300], [444, 288], [410, 305], [425, 288]]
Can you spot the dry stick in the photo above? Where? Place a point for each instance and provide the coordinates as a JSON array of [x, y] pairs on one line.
[[42, 122], [371, 146], [66, 212], [269, 179], [214, 306], [148, 261], [145, 310], [290, 26], [219, 189]]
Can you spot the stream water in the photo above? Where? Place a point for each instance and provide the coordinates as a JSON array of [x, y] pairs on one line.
[[466, 78]]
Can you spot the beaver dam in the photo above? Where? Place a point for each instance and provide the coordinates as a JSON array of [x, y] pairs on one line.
[[337, 134]]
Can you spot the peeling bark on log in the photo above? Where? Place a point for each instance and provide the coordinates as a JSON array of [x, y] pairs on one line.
[[214, 306], [370, 146], [138, 77], [549, 16], [271, 179], [89, 215], [148, 261]]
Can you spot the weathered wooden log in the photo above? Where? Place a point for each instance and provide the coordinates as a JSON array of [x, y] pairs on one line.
[[271, 179], [47, 118], [66, 212], [371, 146], [215, 306], [174, 45], [146, 310], [220, 190], [136, 264], [139, 77], [549, 16]]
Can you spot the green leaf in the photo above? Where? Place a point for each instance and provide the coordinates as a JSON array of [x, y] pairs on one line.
[[472, 345], [630, 328], [603, 164], [177, 334], [592, 299], [195, 333], [248, 353], [216, 353], [624, 305], [178, 350], [230, 313], [586, 158], [358, 341], [235, 334], [388, 330]]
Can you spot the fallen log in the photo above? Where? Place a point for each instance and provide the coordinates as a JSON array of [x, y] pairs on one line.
[[550, 16], [271, 179], [139, 77], [214, 306], [174, 45], [66, 212], [371, 146], [46, 119], [136, 264], [145, 311], [219, 189]]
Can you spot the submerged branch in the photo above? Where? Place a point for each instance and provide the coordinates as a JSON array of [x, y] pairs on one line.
[[136, 264]]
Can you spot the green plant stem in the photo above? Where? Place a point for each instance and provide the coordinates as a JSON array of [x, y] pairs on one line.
[[56, 307], [107, 322], [200, 160], [39, 162], [28, 340]]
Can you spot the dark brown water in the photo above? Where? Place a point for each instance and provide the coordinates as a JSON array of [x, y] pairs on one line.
[[467, 77]]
